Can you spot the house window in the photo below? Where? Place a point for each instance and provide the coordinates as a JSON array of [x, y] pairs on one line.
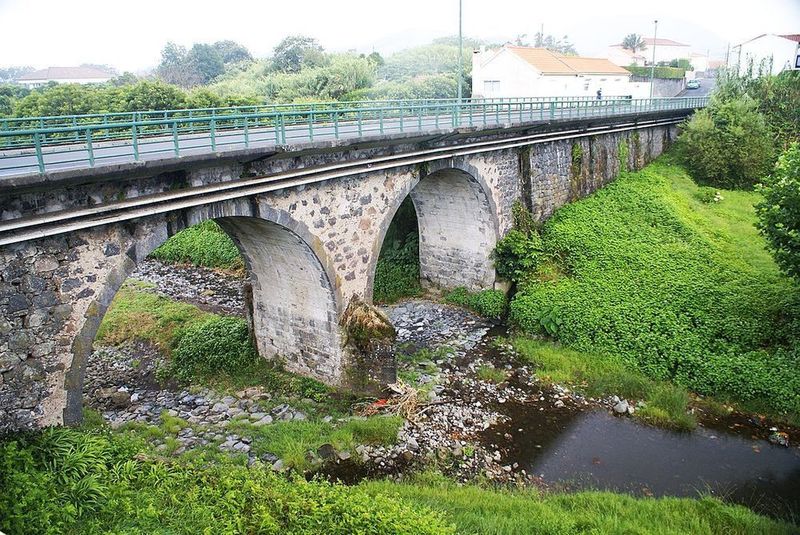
[[490, 87]]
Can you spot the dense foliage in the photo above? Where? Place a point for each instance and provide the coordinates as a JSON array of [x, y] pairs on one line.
[[488, 303], [777, 98], [68, 481], [72, 99], [728, 144], [673, 73], [397, 270], [201, 64], [779, 213], [204, 244], [519, 252], [211, 346], [681, 289]]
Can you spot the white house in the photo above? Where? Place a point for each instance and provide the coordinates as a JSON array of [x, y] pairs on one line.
[[776, 52], [666, 50], [518, 71], [65, 75]]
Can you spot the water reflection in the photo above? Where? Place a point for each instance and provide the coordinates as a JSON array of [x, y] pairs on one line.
[[580, 450]]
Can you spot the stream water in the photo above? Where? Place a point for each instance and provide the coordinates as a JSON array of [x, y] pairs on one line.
[[573, 449]]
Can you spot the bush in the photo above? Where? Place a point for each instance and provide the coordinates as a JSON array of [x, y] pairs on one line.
[[519, 252], [68, 481], [727, 144], [204, 244], [673, 73], [779, 213], [215, 344], [488, 303]]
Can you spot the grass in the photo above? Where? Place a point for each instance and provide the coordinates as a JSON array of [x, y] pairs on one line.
[[204, 244], [475, 510], [63, 480], [291, 441], [490, 374], [599, 375], [138, 314], [677, 288]]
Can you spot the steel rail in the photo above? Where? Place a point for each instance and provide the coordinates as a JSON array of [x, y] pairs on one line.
[[55, 223]]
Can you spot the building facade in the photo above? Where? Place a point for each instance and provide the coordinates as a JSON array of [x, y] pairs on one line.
[[768, 53], [517, 71]]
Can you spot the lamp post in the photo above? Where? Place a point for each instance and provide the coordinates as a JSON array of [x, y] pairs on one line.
[[460, 52], [653, 64]]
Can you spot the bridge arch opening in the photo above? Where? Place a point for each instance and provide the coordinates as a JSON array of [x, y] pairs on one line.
[[448, 219], [281, 291]]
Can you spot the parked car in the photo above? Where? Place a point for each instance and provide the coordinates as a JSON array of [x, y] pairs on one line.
[[693, 84]]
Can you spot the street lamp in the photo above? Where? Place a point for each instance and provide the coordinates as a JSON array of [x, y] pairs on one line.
[[653, 64], [460, 53]]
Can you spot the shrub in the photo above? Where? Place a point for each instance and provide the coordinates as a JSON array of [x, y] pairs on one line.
[[488, 303], [779, 213], [204, 244], [727, 144], [519, 252], [215, 344]]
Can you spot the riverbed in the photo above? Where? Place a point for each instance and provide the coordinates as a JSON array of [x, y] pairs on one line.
[[516, 431]]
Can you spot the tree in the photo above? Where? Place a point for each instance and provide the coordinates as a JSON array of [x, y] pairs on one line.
[[150, 95], [232, 52], [779, 213], [11, 74], [173, 68], [296, 52], [562, 46], [728, 144], [633, 42], [204, 63]]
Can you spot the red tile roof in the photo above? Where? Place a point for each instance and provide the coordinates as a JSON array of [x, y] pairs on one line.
[[549, 62]]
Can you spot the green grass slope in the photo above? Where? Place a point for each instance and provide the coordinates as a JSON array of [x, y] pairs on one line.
[[647, 271]]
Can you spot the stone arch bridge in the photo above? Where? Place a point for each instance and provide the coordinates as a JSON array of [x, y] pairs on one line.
[[309, 220]]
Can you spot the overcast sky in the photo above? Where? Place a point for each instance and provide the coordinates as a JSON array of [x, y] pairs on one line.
[[129, 35]]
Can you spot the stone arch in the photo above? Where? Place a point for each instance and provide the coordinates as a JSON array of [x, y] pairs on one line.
[[295, 302], [458, 227]]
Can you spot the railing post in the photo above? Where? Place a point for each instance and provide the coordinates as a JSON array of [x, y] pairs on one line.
[[213, 128], [282, 121], [552, 110], [37, 142], [246, 133], [336, 125], [311, 124], [135, 143], [360, 126], [175, 138], [401, 118], [380, 119], [89, 147]]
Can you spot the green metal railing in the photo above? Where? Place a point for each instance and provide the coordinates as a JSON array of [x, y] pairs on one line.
[[59, 121], [97, 139]]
